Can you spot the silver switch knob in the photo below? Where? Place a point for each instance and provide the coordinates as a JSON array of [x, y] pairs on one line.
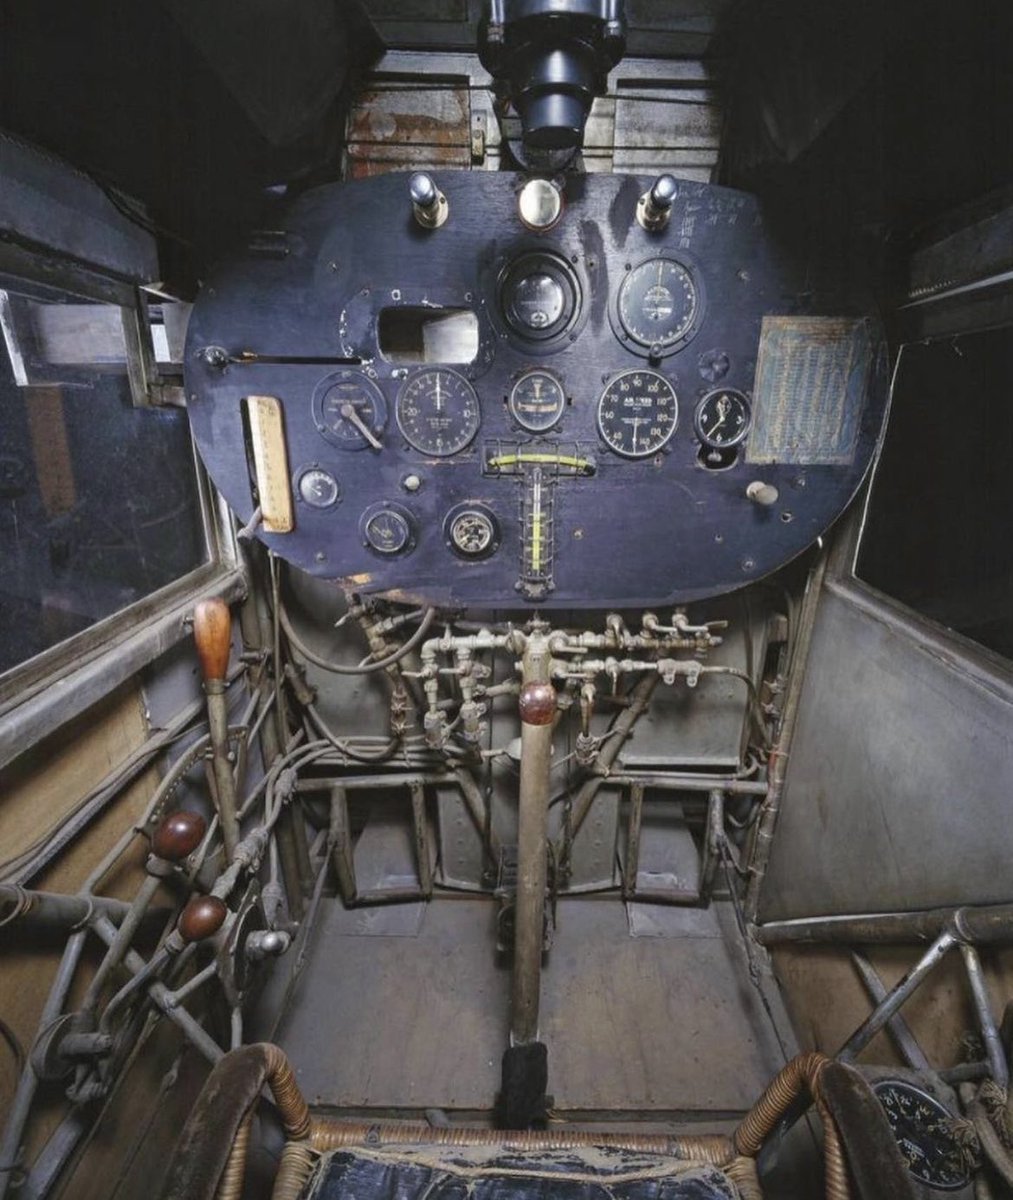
[[428, 203]]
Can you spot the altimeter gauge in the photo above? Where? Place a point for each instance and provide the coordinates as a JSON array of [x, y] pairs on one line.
[[438, 412], [637, 413]]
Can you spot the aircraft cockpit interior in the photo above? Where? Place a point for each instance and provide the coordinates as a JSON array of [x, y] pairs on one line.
[[506, 618]]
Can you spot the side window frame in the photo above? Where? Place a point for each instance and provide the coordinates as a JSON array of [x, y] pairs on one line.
[[89, 665]]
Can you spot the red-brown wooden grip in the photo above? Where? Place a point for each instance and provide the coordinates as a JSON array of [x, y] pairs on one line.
[[178, 835], [202, 917], [212, 631]]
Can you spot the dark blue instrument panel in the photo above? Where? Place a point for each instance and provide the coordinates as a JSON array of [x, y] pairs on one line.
[[482, 415]]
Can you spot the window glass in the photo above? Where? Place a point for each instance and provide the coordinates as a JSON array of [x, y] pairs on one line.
[[99, 504], [939, 531]]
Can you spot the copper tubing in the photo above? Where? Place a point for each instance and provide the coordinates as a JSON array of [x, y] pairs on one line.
[[328, 1133], [297, 1162], [802, 1073], [230, 1186]]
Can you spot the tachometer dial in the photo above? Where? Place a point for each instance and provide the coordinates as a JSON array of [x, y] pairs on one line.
[[722, 418], [350, 411], [438, 412], [923, 1130], [537, 401], [638, 413], [659, 305]]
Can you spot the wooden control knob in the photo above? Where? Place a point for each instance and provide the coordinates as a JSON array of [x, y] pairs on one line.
[[178, 835], [202, 918], [212, 631]]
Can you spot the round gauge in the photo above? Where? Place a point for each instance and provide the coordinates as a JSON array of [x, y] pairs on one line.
[[387, 528], [539, 297], [923, 1130], [659, 305], [638, 413], [438, 412], [722, 418], [471, 531], [537, 401], [318, 488], [350, 410]]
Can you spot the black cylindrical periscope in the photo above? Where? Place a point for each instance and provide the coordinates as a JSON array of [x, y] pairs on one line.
[[551, 58]]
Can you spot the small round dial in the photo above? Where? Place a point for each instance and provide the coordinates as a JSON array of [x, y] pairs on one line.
[[537, 401], [722, 418], [638, 413], [923, 1130], [659, 305], [438, 412], [350, 410], [318, 488], [471, 531], [387, 529]]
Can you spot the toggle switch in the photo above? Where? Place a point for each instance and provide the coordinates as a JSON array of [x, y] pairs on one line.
[[655, 206], [428, 203]]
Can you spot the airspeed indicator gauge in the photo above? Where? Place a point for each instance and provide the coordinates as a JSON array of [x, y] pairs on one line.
[[659, 306], [722, 418], [438, 413], [537, 401], [637, 413]]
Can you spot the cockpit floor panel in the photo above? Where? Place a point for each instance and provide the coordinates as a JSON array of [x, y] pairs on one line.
[[653, 1025]]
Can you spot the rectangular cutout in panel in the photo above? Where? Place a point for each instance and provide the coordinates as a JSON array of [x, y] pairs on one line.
[[425, 334], [270, 462], [811, 380]]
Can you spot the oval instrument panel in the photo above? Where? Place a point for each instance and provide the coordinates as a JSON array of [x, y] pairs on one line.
[[480, 414]]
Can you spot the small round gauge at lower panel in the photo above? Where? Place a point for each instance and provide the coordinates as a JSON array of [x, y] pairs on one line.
[[438, 412], [387, 528], [637, 413], [472, 531], [317, 488], [722, 418], [923, 1129], [537, 401], [349, 410]]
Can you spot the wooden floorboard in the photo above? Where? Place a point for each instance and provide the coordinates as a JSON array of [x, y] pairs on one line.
[[393, 1013]]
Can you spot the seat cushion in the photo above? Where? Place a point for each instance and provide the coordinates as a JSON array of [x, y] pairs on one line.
[[492, 1173]]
